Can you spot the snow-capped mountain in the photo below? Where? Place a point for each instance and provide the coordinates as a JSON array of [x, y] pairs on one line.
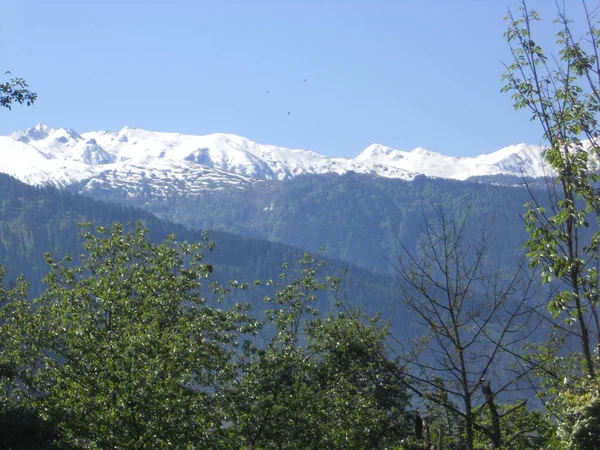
[[140, 161], [519, 160]]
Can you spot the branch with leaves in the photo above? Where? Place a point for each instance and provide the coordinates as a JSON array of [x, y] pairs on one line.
[[16, 90]]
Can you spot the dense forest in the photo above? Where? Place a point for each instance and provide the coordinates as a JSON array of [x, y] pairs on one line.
[[39, 220], [359, 218]]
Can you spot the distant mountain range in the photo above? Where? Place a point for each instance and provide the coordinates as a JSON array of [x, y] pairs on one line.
[[140, 163], [360, 208]]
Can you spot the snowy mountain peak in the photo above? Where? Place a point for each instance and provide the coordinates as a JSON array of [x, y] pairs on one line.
[[134, 158], [39, 128], [42, 131], [425, 152], [519, 160], [39, 131], [379, 152]]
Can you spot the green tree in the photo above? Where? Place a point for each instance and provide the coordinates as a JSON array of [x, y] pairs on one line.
[[578, 404], [522, 429], [365, 402], [14, 91], [317, 382], [21, 426], [132, 355], [562, 92], [125, 349]]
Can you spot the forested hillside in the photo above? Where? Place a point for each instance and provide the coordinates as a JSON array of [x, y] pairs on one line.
[[38, 220], [359, 218]]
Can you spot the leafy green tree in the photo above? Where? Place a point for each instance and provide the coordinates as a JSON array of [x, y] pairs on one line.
[[132, 355], [14, 312], [366, 403], [563, 94], [21, 425], [579, 407], [14, 91], [522, 428], [317, 383], [125, 349]]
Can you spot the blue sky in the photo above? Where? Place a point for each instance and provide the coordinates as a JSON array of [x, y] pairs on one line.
[[404, 73]]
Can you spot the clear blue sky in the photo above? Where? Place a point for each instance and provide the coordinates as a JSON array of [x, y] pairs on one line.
[[404, 73]]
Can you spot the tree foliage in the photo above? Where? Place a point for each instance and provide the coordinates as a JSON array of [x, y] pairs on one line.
[[16, 90], [318, 382], [131, 354], [129, 348], [562, 93]]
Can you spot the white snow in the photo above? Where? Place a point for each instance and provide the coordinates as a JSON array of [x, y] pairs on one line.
[[520, 160], [188, 164]]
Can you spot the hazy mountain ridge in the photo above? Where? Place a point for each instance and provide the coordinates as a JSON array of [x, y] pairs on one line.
[[147, 163], [358, 218], [38, 220]]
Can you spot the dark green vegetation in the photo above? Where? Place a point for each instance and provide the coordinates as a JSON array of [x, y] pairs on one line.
[[14, 91], [358, 218], [37, 220], [131, 348]]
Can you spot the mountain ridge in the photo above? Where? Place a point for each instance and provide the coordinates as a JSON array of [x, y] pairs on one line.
[[36, 220], [135, 159]]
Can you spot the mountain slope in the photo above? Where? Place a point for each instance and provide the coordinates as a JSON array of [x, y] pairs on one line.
[[359, 218], [357, 208], [37, 220]]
